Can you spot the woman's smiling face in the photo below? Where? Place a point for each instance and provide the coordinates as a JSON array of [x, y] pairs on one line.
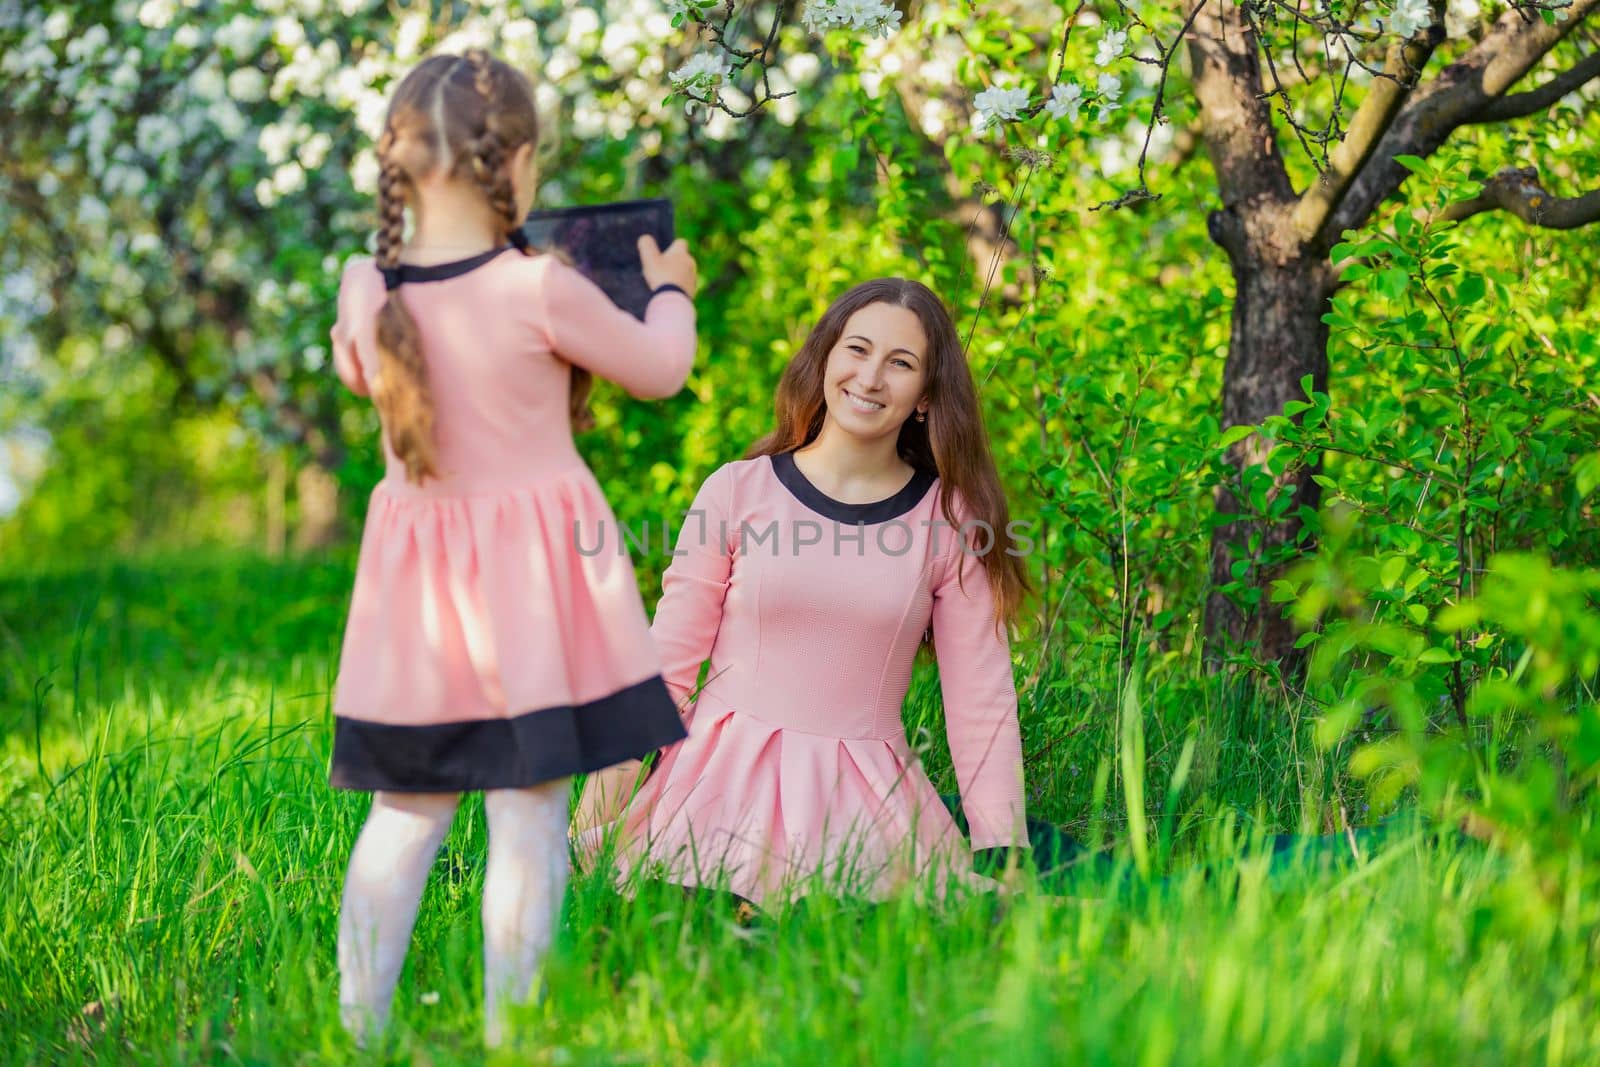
[[876, 371]]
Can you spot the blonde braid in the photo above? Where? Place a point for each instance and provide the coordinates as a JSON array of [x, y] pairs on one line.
[[487, 151], [401, 388]]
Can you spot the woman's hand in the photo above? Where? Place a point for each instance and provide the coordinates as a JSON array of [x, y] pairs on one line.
[[675, 266], [605, 795]]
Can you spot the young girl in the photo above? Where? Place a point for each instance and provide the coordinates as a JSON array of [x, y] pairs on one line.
[[809, 574], [482, 651]]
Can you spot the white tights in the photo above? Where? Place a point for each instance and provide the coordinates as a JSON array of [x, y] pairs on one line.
[[522, 891]]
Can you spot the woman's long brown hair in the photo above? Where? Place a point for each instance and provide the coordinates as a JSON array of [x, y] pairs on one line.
[[951, 444], [470, 112]]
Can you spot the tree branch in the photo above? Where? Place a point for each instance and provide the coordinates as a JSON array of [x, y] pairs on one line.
[[1519, 192], [1372, 120], [1520, 105], [1448, 101]]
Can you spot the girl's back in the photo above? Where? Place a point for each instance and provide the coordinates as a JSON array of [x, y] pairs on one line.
[[501, 332]]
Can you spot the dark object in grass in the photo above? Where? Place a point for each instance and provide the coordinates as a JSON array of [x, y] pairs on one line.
[[1065, 864]]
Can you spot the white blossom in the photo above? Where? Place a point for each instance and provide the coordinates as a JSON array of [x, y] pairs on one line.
[[701, 71], [123, 180], [1110, 90], [92, 212], [126, 78], [207, 83], [288, 32], [227, 118], [364, 171], [408, 38], [157, 13], [187, 37], [1410, 16], [874, 18], [275, 141], [1065, 101], [1460, 16], [25, 61], [57, 25], [247, 85], [83, 48], [995, 104], [687, 9], [1111, 46], [240, 35], [371, 111], [156, 135], [289, 178], [580, 24]]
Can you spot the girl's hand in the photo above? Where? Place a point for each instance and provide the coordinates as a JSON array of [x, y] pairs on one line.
[[675, 266]]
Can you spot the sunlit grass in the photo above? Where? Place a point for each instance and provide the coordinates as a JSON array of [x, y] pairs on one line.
[[174, 859]]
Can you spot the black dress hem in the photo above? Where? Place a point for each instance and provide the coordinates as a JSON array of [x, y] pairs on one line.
[[513, 753]]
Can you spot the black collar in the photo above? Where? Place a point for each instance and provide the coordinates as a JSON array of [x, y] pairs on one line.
[[783, 465], [438, 272]]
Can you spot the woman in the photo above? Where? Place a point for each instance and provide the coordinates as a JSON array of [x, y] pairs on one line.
[[868, 524]]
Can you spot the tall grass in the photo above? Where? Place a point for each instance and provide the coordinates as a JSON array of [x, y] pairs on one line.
[[174, 857]]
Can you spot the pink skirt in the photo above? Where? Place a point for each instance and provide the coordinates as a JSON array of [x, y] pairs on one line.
[[772, 813], [495, 641]]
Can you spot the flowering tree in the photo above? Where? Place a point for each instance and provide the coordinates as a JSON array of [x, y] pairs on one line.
[[183, 178], [1314, 118]]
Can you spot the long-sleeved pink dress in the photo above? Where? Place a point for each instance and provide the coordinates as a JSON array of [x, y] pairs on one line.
[[484, 649], [810, 611]]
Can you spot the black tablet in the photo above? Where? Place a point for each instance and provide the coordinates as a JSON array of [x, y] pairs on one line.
[[602, 240]]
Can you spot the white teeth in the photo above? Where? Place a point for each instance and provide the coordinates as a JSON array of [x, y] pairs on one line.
[[860, 404]]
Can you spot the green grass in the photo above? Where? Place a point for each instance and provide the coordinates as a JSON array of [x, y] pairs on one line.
[[173, 862]]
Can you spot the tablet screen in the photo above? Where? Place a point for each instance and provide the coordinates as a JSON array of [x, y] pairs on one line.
[[602, 240]]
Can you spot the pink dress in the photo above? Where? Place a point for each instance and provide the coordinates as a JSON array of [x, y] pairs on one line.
[[485, 648], [811, 611]]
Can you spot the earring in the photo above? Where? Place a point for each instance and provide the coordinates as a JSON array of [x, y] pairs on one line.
[[922, 416]]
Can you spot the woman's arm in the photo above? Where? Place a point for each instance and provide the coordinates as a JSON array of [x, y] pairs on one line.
[[650, 359], [980, 702], [694, 586], [687, 619]]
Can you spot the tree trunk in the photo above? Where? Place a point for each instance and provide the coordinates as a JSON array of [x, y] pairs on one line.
[[317, 492], [1277, 338]]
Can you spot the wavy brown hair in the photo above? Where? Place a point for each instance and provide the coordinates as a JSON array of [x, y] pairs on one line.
[[951, 444], [469, 113]]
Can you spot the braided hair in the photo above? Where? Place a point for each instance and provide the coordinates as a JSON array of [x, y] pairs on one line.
[[469, 113]]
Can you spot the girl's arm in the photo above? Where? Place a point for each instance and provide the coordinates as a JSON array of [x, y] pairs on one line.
[[650, 359], [693, 588], [980, 700], [351, 300]]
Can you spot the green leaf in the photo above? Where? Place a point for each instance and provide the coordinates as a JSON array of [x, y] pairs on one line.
[[1415, 164], [1392, 282], [1586, 473], [1233, 435], [1458, 617], [1471, 290]]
